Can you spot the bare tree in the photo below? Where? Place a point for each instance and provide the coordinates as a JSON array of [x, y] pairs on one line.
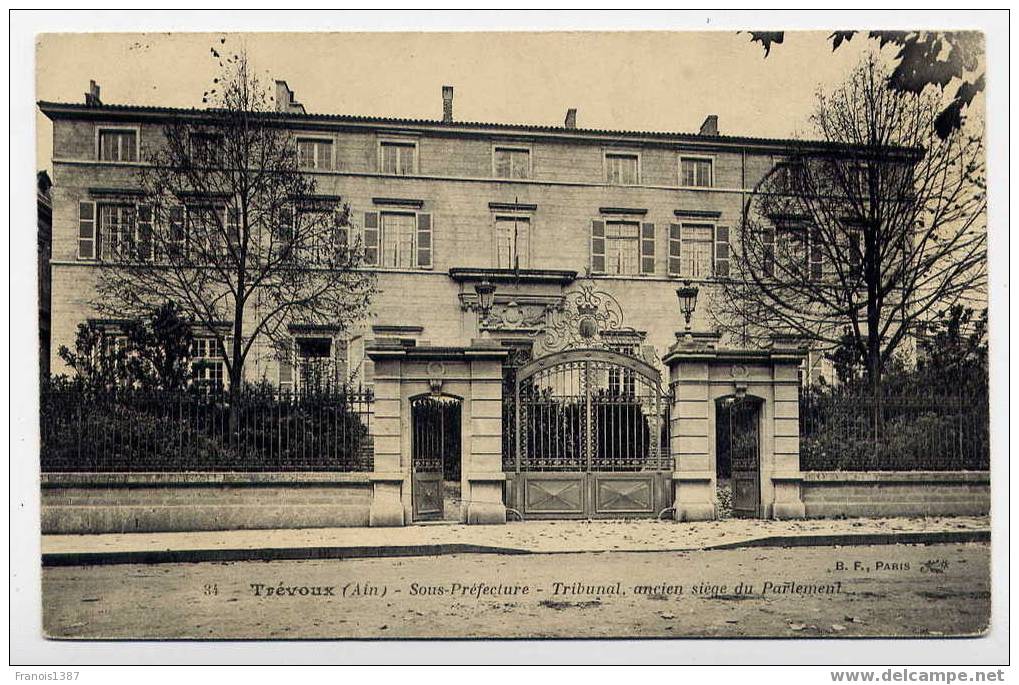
[[858, 244], [233, 231]]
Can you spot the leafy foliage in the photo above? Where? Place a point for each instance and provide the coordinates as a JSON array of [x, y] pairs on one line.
[[924, 58]]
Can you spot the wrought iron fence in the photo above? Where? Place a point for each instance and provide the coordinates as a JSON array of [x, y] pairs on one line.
[[135, 430], [856, 432]]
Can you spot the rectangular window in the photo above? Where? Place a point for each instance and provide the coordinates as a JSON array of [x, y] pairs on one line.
[[86, 230], [397, 158], [315, 366], [117, 227], [315, 153], [622, 247], [512, 242], [697, 249], [816, 255], [118, 145], [207, 365], [398, 233], [695, 172], [623, 382], [622, 169], [512, 162]]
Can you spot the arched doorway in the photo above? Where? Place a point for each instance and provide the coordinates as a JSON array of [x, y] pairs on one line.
[[738, 456], [436, 457]]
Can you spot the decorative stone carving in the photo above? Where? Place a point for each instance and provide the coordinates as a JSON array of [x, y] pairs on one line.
[[436, 373]]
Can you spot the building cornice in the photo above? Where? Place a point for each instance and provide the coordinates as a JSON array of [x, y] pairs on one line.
[[384, 125]]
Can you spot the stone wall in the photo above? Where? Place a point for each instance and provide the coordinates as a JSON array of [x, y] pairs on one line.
[[829, 494], [78, 503]]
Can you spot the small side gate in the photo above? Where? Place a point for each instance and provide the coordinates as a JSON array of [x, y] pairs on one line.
[[435, 454], [590, 438], [744, 450]]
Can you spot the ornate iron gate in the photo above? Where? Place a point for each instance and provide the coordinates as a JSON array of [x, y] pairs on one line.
[[435, 453], [590, 437]]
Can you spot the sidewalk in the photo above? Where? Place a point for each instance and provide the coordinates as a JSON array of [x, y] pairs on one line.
[[544, 537]]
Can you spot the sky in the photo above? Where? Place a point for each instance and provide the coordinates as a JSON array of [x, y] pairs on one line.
[[663, 81]]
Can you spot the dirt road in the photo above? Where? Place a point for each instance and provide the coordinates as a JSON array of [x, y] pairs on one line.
[[902, 590]]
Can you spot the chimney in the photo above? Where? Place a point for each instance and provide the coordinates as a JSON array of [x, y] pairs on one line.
[[571, 118], [285, 101], [447, 104], [92, 96], [710, 126]]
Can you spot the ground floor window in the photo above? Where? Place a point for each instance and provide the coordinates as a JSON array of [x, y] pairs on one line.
[[208, 369]]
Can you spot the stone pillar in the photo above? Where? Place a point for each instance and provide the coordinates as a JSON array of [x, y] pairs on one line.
[[693, 479], [388, 505], [786, 477], [483, 475]]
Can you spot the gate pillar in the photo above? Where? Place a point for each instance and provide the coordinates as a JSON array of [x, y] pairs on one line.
[[472, 374], [699, 373], [483, 470], [388, 497]]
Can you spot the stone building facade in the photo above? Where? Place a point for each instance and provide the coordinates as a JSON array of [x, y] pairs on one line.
[[448, 203], [581, 231]]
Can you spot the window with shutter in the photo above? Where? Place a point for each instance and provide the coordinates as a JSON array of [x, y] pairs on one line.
[[722, 251], [647, 248], [675, 265], [424, 241], [86, 230], [371, 238], [597, 246]]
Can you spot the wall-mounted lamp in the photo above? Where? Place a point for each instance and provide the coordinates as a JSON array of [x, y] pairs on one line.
[[486, 298]]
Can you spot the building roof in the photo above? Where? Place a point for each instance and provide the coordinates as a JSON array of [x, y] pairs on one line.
[[64, 110]]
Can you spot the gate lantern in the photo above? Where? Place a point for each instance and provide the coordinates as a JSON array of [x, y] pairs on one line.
[[486, 297], [687, 295]]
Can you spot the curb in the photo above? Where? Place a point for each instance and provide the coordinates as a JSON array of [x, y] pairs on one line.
[[192, 556], [850, 539]]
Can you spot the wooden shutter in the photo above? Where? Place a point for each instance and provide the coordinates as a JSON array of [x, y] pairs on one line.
[[675, 250], [341, 237], [722, 251], [424, 241], [816, 254], [286, 366], [285, 239], [145, 237], [371, 238], [768, 251], [340, 359], [647, 248], [597, 246], [87, 242]]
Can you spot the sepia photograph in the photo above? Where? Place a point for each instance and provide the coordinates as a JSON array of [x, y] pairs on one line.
[[530, 334]]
